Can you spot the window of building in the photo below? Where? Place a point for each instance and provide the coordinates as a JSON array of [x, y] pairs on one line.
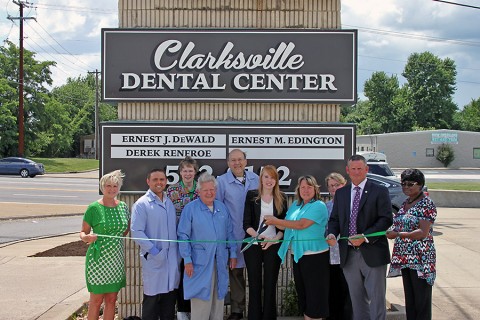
[[430, 152], [476, 153]]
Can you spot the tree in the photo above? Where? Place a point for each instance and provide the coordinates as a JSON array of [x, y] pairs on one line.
[[469, 118], [54, 121], [8, 119], [403, 114], [445, 154], [430, 86], [381, 91], [37, 75], [360, 115], [77, 97], [54, 131]]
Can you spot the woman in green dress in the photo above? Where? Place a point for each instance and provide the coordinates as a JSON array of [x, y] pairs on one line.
[[105, 260]]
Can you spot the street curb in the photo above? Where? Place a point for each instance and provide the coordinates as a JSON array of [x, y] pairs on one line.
[[72, 175], [68, 172], [66, 308], [3, 245], [396, 307], [455, 198], [41, 216]]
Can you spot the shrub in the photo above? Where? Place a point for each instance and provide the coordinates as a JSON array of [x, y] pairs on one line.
[[445, 154], [290, 301]]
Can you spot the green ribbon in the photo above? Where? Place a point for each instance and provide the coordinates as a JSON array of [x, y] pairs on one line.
[[96, 251], [375, 234], [246, 240]]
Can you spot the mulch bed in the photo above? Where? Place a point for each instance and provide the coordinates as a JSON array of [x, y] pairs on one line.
[[72, 249]]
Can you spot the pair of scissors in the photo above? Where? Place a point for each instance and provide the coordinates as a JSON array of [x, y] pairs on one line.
[[262, 228]]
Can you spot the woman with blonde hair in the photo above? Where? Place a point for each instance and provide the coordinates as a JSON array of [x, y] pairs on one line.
[[263, 256], [305, 226], [105, 260]]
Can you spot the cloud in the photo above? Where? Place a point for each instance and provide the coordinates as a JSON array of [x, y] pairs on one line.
[[389, 31]]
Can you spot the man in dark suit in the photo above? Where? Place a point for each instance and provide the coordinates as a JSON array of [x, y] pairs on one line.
[[361, 208]]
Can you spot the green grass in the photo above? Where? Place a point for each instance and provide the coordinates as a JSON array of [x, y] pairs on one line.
[[469, 186], [67, 164]]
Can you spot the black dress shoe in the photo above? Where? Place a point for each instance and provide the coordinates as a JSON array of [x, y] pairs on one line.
[[235, 316]]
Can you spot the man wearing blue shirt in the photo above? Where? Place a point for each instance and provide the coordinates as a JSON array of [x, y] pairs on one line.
[[232, 190], [154, 217]]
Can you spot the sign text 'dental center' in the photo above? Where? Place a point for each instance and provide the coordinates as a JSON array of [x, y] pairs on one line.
[[229, 65]]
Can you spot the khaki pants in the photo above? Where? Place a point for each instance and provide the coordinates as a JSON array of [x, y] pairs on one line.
[[208, 309]]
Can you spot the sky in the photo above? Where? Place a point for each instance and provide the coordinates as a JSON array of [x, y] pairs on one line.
[[389, 31]]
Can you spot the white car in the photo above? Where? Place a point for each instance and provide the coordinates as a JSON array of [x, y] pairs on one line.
[[381, 168]]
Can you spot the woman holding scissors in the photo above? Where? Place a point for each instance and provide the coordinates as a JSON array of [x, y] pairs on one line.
[[267, 200]]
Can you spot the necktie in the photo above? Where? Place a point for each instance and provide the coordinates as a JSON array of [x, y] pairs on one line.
[[352, 228]]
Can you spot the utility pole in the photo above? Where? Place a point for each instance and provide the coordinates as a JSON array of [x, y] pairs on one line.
[[21, 129], [97, 117]]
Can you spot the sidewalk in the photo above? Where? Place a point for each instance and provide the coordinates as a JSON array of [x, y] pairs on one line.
[[93, 174], [53, 288], [40, 288]]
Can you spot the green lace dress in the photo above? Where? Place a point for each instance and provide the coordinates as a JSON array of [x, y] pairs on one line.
[[105, 259]]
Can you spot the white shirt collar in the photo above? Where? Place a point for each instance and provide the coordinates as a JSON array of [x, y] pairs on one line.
[[361, 185]]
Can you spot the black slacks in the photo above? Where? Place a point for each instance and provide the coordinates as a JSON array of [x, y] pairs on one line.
[[340, 304], [160, 306], [268, 262], [312, 282], [418, 296], [182, 304]]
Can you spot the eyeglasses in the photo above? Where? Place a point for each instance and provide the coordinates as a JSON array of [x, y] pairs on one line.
[[408, 184], [334, 186]]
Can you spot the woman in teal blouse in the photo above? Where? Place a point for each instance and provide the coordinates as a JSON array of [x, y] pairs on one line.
[[304, 226]]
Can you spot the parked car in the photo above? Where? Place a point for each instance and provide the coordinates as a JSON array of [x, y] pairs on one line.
[[373, 156], [397, 197], [22, 166], [381, 168], [377, 164]]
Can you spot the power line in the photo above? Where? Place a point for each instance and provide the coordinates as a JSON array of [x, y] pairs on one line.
[[417, 36], [54, 49], [68, 52], [70, 62], [74, 8], [458, 4], [403, 61]]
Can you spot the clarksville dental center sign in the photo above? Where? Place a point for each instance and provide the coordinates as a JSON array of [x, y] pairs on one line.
[[296, 149], [257, 66], [175, 65]]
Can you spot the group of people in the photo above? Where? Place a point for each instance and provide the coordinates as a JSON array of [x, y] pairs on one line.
[[197, 236]]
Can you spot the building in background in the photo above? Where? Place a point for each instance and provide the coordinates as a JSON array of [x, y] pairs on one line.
[[87, 146], [419, 148]]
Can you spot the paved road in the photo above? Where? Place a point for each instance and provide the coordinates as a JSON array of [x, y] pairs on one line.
[[20, 229], [49, 195], [446, 175], [48, 190], [452, 175]]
